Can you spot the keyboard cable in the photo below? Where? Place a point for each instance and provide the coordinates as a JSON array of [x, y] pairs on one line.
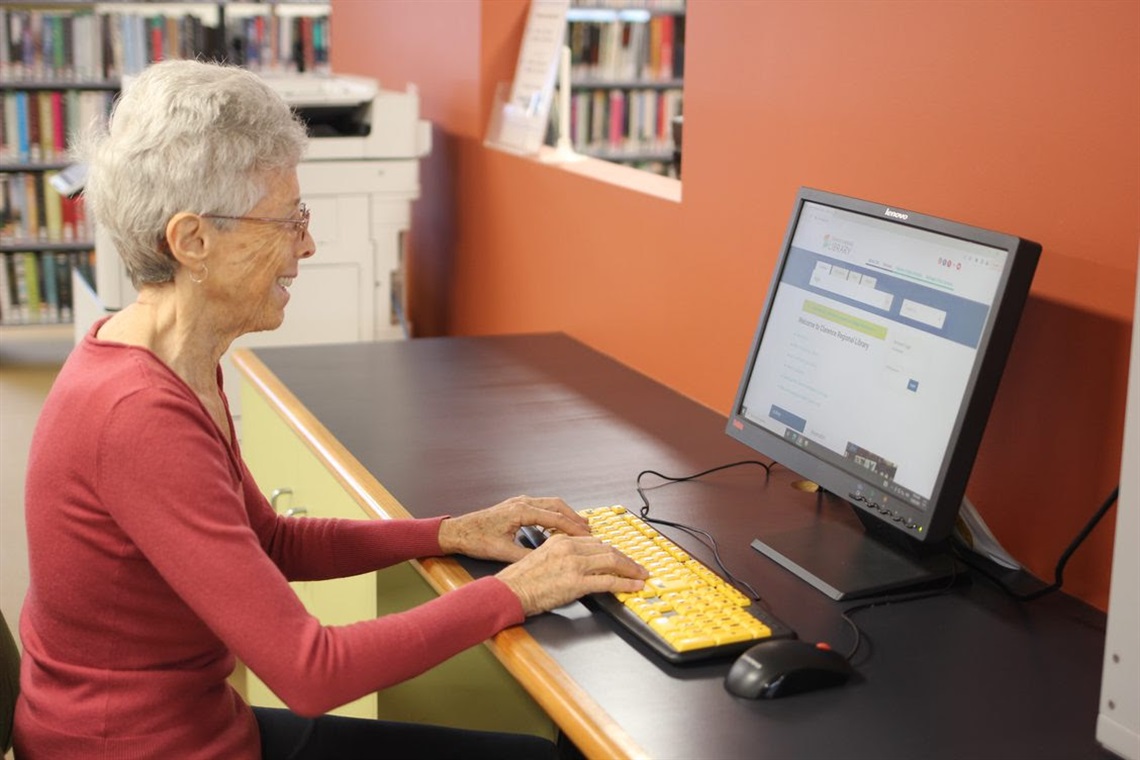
[[701, 535]]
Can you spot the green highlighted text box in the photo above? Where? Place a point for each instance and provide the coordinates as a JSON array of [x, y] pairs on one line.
[[846, 320]]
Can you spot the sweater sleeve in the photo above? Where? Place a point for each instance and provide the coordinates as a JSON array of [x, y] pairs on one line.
[[179, 492], [322, 548]]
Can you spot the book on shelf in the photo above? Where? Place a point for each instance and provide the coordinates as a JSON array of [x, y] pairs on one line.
[[75, 227], [94, 44], [61, 65], [7, 301], [49, 291], [63, 266], [39, 125], [53, 209], [617, 120], [32, 211], [25, 129], [620, 121], [627, 64], [650, 6], [624, 50], [34, 226], [27, 287], [35, 286]]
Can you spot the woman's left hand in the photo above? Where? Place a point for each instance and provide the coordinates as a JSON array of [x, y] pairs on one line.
[[490, 533]]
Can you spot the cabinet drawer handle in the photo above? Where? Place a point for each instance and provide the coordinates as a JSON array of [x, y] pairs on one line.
[[277, 494], [294, 511]]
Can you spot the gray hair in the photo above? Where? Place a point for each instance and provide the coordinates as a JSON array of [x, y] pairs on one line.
[[184, 136]]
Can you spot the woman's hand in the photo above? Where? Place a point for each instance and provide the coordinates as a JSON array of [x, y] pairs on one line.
[[490, 533], [565, 568]]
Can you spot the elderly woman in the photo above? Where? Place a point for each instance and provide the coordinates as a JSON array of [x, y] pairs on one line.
[[155, 559]]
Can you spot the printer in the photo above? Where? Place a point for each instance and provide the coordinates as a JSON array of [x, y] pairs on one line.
[[351, 117]]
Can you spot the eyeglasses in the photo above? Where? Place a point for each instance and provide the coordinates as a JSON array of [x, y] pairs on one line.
[[301, 221]]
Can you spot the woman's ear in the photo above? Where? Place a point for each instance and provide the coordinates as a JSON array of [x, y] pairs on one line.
[[186, 239]]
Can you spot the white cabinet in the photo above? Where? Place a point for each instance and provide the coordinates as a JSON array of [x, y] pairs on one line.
[[351, 289]]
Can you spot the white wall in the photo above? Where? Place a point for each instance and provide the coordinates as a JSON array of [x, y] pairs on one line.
[[1118, 725]]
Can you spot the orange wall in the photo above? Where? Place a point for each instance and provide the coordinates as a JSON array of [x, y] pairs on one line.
[[1019, 116]]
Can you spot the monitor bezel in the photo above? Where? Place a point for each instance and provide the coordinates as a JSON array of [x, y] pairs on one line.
[[934, 523]]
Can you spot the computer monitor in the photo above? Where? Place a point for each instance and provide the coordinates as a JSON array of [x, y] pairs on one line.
[[872, 373]]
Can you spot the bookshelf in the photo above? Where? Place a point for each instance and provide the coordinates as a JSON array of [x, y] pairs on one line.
[[626, 73], [61, 66], [44, 234]]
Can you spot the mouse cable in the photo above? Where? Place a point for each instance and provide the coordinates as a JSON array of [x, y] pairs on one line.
[[1059, 570], [703, 536], [879, 601]]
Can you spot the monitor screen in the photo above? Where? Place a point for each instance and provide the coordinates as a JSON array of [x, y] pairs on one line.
[[872, 373]]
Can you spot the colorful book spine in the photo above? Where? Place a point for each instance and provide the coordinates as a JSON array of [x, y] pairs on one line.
[[63, 284], [83, 226], [32, 225], [665, 68], [58, 126], [94, 42], [155, 47], [8, 313], [23, 136], [35, 295], [49, 288], [35, 146], [5, 47], [53, 209], [616, 119], [67, 207], [46, 126], [7, 210], [17, 226], [308, 45], [24, 286], [6, 138]]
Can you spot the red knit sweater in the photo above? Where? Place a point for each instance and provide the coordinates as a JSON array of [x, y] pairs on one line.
[[155, 561]]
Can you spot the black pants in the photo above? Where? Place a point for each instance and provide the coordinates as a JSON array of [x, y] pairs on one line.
[[286, 736]]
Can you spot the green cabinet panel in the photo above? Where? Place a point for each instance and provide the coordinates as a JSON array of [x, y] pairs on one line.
[[298, 485], [471, 690]]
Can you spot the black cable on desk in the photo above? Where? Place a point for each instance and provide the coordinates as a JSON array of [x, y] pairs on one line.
[[881, 601], [1058, 575], [703, 536], [1059, 571], [645, 502]]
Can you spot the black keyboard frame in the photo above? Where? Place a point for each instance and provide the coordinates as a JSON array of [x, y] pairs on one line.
[[629, 621]]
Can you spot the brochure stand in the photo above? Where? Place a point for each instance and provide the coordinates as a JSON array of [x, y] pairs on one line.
[[521, 112], [564, 148]]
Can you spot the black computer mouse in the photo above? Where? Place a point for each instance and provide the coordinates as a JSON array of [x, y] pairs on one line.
[[782, 667], [531, 536]]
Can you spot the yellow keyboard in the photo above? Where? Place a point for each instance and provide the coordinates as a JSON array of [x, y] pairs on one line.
[[686, 612]]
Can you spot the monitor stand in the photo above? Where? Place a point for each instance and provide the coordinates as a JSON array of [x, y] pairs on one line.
[[849, 561]]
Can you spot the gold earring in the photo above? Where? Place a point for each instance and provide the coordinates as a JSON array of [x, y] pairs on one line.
[[200, 280]]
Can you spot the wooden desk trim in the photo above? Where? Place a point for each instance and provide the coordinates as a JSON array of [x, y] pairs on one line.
[[580, 717]]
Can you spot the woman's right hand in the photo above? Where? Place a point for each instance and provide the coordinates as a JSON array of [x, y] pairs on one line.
[[565, 568]]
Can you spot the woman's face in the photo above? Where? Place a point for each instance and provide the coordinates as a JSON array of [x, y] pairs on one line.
[[256, 261]]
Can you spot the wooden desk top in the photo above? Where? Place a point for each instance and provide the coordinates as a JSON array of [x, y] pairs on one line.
[[448, 425]]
